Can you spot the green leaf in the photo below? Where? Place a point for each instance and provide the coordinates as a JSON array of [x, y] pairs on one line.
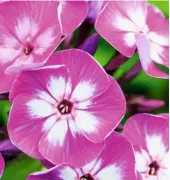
[[4, 110], [20, 168], [162, 5]]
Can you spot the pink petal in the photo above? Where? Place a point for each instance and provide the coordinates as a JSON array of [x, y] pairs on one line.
[[85, 77], [149, 132], [71, 15], [2, 165], [142, 160], [166, 115], [42, 83], [153, 11], [116, 161], [118, 23], [24, 26], [95, 118], [144, 50], [6, 80], [64, 143], [27, 124], [147, 105], [160, 54], [159, 35], [139, 177], [63, 172], [159, 29]]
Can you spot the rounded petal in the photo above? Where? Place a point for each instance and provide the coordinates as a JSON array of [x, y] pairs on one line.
[[117, 160], [64, 143], [115, 25], [88, 79], [149, 132], [63, 172], [71, 14], [42, 82], [94, 117], [159, 29], [29, 119], [159, 35], [2, 165], [145, 53]]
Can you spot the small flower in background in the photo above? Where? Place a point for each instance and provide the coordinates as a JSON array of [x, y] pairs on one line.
[[114, 63], [140, 104], [116, 161], [91, 44], [136, 24], [95, 7], [7, 149], [30, 33], [149, 135], [62, 112]]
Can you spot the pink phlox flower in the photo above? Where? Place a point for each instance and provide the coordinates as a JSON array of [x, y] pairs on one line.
[[62, 112], [137, 24], [31, 32], [150, 136]]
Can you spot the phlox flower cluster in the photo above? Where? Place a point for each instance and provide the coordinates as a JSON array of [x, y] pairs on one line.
[[65, 107]]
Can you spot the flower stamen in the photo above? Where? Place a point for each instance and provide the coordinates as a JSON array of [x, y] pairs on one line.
[[153, 168], [28, 49], [65, 106], [87, 177]]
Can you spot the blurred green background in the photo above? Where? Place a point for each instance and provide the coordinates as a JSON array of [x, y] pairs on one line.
[[22, 165]]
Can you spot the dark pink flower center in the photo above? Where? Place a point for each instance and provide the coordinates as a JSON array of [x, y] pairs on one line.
[[65, 106], [153, 168], [28, 49], [87, 177]]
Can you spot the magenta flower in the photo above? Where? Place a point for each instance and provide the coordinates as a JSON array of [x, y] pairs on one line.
[[2, 165], [115, 162], [60, 111], [30, 33], [137, 24], [149, 135]]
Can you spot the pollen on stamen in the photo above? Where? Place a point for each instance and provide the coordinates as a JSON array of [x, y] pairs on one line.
[[65, 107], [154, 167], [28, 49]]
